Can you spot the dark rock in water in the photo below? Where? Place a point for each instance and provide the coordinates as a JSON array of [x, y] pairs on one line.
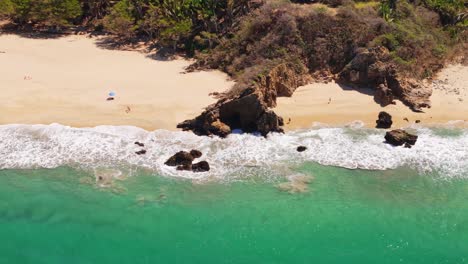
[[141, 152], [139, 144], [201, 166], [195, 153], [384, 121], [185, 167], [301, 149], [399, 137], [180, 158]]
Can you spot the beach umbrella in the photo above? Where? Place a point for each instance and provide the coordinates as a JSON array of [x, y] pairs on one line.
[[112, 94]]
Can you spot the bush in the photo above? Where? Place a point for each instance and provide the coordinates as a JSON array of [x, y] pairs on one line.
[[57, 13]]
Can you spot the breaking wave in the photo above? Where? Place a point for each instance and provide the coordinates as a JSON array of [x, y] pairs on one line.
[[51, 146]]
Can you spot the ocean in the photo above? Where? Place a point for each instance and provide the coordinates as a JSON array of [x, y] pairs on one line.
[[350, 198]]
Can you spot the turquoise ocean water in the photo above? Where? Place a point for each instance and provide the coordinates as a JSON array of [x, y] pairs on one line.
[[394, 206]]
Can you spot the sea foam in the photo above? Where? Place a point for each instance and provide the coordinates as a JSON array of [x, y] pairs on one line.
[[354, 147]]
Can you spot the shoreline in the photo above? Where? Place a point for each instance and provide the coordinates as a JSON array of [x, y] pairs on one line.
[[71, 76]]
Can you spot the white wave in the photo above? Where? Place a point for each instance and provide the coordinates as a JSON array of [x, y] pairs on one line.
[[51, 146]]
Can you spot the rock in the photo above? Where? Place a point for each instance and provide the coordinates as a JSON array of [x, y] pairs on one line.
[[248, 110], [195, 153], [383, 95], [141, 152], [139, 144], [407, 145], [185, 167], [418, 121], [180, 158], [373, 67], [400, 137], [201, 166], [301, 149], [384, 121]]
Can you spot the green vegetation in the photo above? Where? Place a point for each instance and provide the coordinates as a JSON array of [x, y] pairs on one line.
[[246, 38]]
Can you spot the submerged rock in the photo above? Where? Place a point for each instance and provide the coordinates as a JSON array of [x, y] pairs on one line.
[[400, 137], [384, 121], [296, 184]]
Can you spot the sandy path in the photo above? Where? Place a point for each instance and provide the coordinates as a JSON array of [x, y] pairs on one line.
[[309, 104], [71, 78]]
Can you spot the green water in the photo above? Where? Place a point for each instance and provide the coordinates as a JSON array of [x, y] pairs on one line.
[[57, 216]]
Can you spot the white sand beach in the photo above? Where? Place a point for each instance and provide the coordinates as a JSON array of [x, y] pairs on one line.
[[67, 81]]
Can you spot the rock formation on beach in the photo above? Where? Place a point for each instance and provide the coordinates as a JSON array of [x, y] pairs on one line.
[[250, 110], [384, 121], [372, 68], [400, 137]]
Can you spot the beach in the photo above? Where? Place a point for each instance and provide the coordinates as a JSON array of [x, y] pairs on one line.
[[332, 104], [67, 81]]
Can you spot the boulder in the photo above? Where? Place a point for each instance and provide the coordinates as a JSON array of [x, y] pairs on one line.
[[384, 121], [201, 166], [195, 153], [180, 158], [301, 149], [400, 137]]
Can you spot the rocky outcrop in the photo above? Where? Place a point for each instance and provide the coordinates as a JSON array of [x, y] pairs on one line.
[[373, 68], [282, 81], [250, 110], [183, 161], [384, 121], [400, 137]]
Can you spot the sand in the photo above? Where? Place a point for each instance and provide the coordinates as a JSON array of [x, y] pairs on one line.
[[67, 81], [309, 104]]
